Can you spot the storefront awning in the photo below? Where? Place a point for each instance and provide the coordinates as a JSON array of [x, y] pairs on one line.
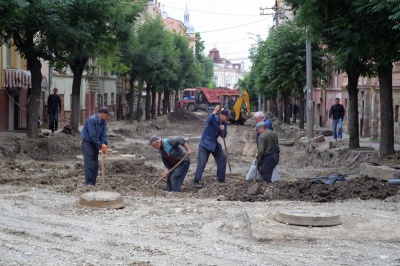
[[16, 78]]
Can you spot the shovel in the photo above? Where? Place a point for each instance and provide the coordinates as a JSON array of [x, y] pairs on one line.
[[255, 187], [102, 171], [226, 150], [172, 169]]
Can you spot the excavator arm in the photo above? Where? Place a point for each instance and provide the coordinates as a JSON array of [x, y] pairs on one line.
[[243, 99]]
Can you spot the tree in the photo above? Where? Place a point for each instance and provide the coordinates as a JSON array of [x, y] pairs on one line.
[[26, 23], [199, 47], [206, 63], [363, 38], [283, 64], [286, 64], [89, 29], [384, 49], [148, 54]]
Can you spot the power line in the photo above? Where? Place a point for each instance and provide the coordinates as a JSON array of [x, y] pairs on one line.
[[226, 42], [234, 27], [212, 13]]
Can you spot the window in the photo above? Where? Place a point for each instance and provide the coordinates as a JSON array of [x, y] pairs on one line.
[[112, 98], [105, 99]]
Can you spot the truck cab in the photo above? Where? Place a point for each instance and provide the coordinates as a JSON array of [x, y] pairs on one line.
[[189, 99]]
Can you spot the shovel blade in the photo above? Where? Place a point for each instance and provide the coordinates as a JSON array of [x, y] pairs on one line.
[[254, 189]]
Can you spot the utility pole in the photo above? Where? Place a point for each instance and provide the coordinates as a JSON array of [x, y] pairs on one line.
[[362, 107], [276, 14], [310, 106]]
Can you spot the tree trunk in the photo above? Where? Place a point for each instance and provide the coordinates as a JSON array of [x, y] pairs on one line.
[[153, 102], [301, 110], [77, 67], [165, 102], [286, 109], [147, 104], [386, 144], [159, 105], [131, 98], [34, 101], [354, 142], [139, 111]]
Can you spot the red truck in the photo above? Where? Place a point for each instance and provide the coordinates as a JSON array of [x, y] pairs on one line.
[[203, 98]]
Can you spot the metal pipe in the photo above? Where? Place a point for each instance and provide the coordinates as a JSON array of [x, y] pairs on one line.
[[394, 182], [310, 107], [362, 107]]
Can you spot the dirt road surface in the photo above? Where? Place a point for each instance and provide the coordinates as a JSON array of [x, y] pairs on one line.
[[41, 181]]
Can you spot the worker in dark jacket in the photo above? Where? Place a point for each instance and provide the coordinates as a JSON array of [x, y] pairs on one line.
[[336, 114], [53, 107], [172, 151], [94, 138], [267, 151], [216, 126]]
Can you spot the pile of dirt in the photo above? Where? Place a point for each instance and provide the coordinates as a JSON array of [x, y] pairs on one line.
[[124, 178], [364, 188], [54, 147], [182, 115]]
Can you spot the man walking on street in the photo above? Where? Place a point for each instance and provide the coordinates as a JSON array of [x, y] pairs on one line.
[[216, 126], [296, 110], [53, 107], [94, 138], [336, 114], [172, 151]]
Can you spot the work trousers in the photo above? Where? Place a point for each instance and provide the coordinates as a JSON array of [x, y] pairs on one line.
[[202, 159], [175, 178], [53, 117], [91, 161], [337, 126], [266, 166]]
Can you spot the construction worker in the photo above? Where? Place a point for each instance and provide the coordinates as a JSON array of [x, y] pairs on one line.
[[216, 126], [172, 151], [94, 138], [267, 151]]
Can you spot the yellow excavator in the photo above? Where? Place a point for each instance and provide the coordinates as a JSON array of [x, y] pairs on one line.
[[238, 105]]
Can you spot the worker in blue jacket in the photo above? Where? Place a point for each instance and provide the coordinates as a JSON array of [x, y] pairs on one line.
[[94, 138], [216, 126]]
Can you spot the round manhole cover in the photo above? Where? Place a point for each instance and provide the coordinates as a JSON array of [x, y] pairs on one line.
[[308, 218], [101, 199]]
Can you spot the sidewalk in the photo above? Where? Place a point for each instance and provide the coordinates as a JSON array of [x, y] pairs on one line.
[[364, 142]]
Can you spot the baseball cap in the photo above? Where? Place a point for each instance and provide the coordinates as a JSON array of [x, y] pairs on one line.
[[260, 124], [153, 138], [104, 110], [226, 113]]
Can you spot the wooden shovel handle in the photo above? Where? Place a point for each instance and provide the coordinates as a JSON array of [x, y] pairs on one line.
[[172, 169]]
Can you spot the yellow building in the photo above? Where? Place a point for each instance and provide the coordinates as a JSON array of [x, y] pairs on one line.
[[15, 89]]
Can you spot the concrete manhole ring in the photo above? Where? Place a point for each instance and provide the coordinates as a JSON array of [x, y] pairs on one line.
[[308, 218], [101, 199]]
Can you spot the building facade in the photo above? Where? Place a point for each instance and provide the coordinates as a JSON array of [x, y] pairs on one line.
[[226, 74], [16, 85]]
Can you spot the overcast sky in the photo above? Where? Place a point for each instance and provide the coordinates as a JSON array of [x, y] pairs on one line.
[[225, 24]]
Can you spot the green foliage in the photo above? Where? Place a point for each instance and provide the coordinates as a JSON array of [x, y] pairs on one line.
[[279, 63], [92, 28], [199, 47], [27, 22]]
